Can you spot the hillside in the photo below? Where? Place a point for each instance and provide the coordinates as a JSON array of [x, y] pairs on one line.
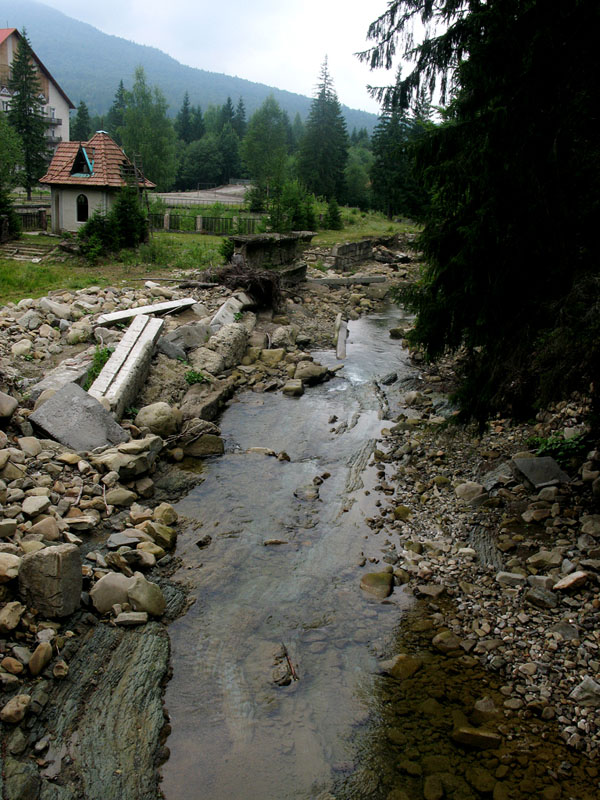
[[89, 64]]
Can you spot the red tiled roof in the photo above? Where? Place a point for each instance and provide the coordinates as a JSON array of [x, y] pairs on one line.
[[6, 32], [108, 162]]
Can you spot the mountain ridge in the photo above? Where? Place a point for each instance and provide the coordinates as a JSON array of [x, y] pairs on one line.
[[89, 64]]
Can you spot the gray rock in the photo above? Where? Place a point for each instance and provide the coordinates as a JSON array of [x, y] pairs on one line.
[[587, 693], [160, 418], [76, 419], [170, 349], [32, 506], [230, 343], [146, 596], [540, 598], [540, 472], [50, 579], [511, 579], [188, 337], [110, 590], [129, 619], [205, 360], [59, 310], [310, 373], [8, 405]]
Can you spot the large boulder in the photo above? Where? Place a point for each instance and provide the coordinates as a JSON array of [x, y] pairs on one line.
[[146, 596], [50, 580], [111, 589], [230, 342], [161, 418], [205, 360], [310, 373]]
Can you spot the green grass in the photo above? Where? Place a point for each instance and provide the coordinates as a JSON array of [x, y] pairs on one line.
[[19, 279], [361, 225]]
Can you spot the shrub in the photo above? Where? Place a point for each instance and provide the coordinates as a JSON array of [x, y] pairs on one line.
[[192, 377]]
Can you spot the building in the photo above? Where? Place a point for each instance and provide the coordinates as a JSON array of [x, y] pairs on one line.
[[85, 177], [56, 104]]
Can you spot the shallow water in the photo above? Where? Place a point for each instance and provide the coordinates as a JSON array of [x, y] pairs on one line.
[[235, 733]]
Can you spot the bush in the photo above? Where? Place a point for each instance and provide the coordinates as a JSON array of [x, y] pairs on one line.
[[125, 225], [333, 218]]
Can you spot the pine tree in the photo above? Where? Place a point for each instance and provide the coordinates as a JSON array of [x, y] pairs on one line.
[[116, 113], [510, 237], [324, 148], [183, 121], [226, 114], [81, 127], [26, 114], [197, 126], [264, 149], [239, 119], [12, 155]]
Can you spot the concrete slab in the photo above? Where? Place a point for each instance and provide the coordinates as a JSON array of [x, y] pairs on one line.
[[77, 420], [71, 370], [541, 471], [341, 334], [127, 368], [227, 313], [157, 308]]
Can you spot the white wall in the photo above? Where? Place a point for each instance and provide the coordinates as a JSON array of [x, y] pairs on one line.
[[67, 205]]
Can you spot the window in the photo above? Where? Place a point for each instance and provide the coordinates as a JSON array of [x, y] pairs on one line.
[[82, 208]]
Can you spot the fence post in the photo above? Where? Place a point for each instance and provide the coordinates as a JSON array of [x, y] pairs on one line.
[[198, 224], [166, 221]]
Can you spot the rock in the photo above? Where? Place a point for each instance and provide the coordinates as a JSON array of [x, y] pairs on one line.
[[59, 310], [146, 596], [60, 669], [165, 513], [310, 373], [446, 642], [230, 343], [129, 619], [484, 711], [479, 738], [8, 405], [163, 535], [120, 497], [32, 506], [546, 559], [47, 528], [205, 445], [540, 472], [110, 590], [16, 708], [21, 348], [205, 360], [12, 665], [10, 616], [76, 419], [469, 492], [573, 581], [541, 598], [9, 567], [51, 580], [403, 666], [480, 779], [293, 388], [7, 528], [379, 584], [433, 788], [272, 357], [511, 579], [402, 513], [152, 548], [160, 418], [587, 693], [40, 659]]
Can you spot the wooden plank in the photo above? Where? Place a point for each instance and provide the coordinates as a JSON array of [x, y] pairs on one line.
[[157, 308]]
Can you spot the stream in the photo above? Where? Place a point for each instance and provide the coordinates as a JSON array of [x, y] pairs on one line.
[[235, 732]]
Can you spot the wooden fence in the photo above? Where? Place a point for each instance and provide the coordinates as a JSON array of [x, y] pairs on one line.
[[217, 226]]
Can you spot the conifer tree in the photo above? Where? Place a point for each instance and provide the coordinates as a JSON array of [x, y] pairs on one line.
[[10, 148], [239, 119], [324, 147], [197, 126], [183, 121], [116, 113], [26, 114], [81, 127], [510, 236]]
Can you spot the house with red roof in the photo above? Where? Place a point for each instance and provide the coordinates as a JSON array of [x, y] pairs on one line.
[[85, 177], [56, 104]]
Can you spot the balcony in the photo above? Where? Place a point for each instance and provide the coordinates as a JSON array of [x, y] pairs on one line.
[[52, 120]]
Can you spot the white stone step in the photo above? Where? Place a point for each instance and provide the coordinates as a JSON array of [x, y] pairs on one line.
[[157, 308], [125, 372]]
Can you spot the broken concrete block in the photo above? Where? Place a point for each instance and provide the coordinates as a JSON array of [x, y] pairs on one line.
[[76, 419], [125, 372], [50, 580], [71, 370], [157, 308]]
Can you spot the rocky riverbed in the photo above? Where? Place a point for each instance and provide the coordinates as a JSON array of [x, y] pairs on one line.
[[505, 574]]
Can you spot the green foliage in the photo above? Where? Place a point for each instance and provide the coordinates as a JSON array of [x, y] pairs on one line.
[[80, 128], [147, 132], [264, 150], [26, 115], [324, 148], [226, 249], [192, 377], [99, 359], [564, 451], [510, 237], [292, 209], [357, 176], [333, 218], [125, 226], [10, 148]]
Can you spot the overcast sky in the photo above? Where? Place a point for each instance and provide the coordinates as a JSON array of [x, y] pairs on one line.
[[278, 42]]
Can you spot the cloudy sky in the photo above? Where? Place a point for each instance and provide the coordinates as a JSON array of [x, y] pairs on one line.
[[278, 42]]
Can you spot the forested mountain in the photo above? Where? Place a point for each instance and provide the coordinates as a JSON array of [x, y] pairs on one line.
[[89, 64]]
